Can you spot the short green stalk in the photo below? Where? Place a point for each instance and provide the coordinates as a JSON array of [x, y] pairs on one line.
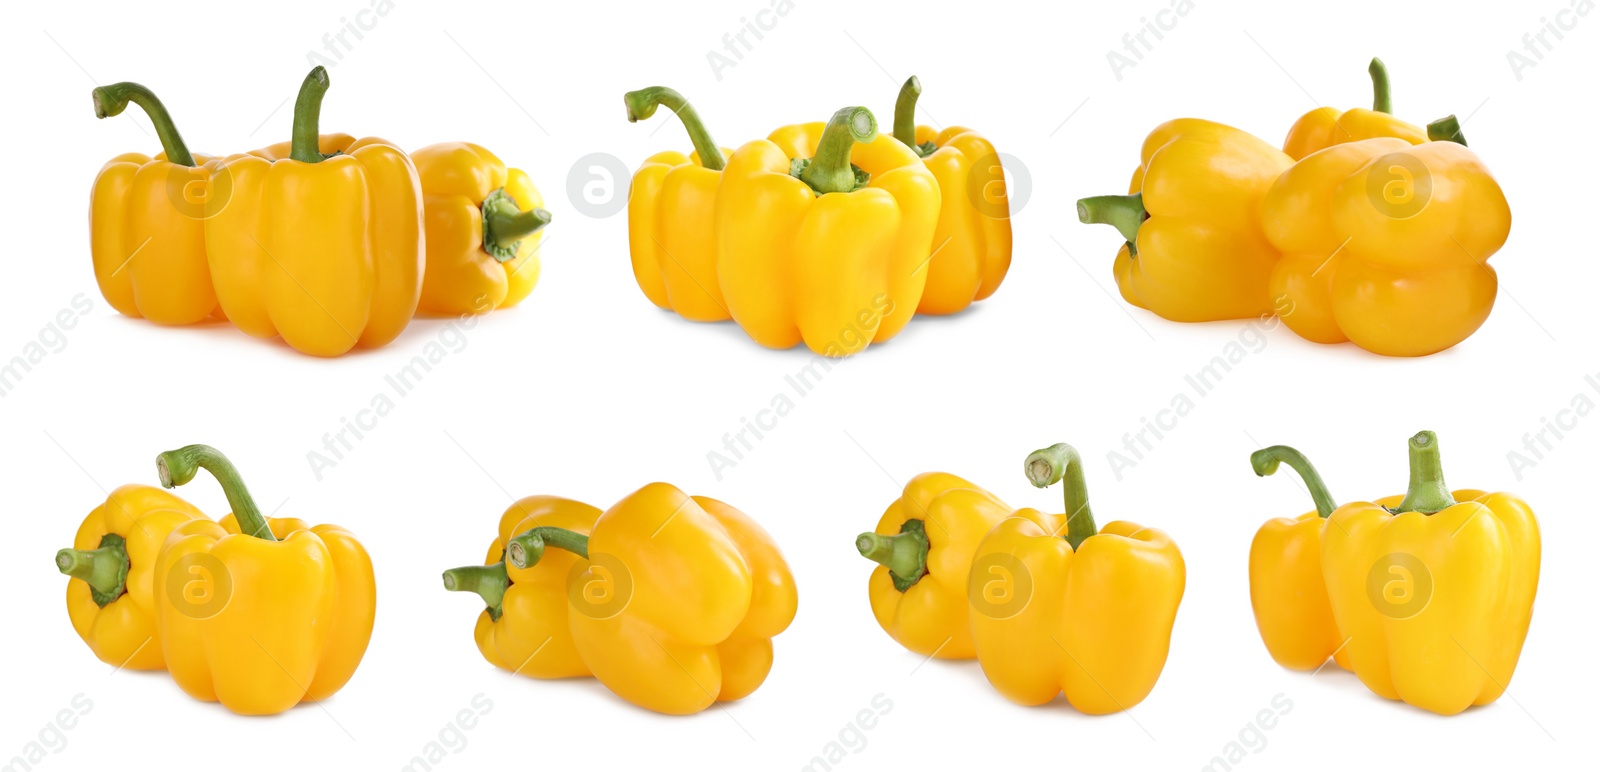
[[1125, 213], [905, 554], [489, 582], [1427, 492], [905, 118], [527, 548], [113, 99], [1266, 460], [642, 104], [1446, 129], [505, 226], [104, 569], [1061, 463], [305, 144], [178, 467], [1381, 100], [829, 170]]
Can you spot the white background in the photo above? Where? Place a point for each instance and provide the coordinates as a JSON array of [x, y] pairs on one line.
[[589, 391]]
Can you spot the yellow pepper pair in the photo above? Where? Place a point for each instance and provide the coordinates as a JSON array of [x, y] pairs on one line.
[[258, 614], [1048, 603], [669, 600], [824, 233], [1427, 597]]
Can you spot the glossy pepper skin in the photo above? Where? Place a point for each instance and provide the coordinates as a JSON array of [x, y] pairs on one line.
[[671, 211], [324, 246], [972, 240], [822, 232], [276, 613], [484, 226], [111, 597], [1435, 591], [924, 545], [1287, 591], [672, 601], [1325, 127], [1195, 250], [1069, 609], [1386, 244], [147, 221]]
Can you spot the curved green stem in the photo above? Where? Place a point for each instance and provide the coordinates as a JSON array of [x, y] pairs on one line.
[[905, 554], [1266, 460], [641, 104], [905, 116], [178, 467], [111, 100], [1125, 213], [526, 548], [1427, 492], [1061, 463], [105, 569], [1446, 129], [1381, 101], [305, 143], [489, 582], [829, 170], [505, 226]]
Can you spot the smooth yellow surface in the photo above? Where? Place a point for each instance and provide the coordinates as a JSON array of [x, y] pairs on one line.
[[1482, 562], [1098, 621], [147, 237], [672, 235], [123, 633], [461, 278], [1201, 254], [1289, 596], [972, 241], [327, 255], [1325, 127], [295, 623]]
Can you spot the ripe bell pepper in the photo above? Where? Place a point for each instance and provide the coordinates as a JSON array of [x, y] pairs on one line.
[[924, 545], [823, 231], [147, 220], [1287, 591], [1071, 609], [323, 247], [671, 206], [1325, 127], [671, 601], [483, 230], [273, 612], [1435, 591], [1195, 251], [112, 595], [972, 240], [1386, 244]]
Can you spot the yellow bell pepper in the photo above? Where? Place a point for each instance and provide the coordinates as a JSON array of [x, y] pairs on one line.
[[323, 247], [672, 601], [259, 614], [823, 231], [1386, 244], [147, 220], [483, 230], [671, 210], [1287, 592], [1325, 127], [112, 595], [1065, 608], [924, 545], [972, 240], [1435, 591], [1195, 251]]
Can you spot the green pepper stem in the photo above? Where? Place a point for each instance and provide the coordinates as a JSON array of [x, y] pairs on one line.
[[829, 170], [504, 225], [1381, 101], [305, 143], [489, 582], [1427, 492], [113, 99], [905, 112], [1061, 463], [1125, 213], [105, 569], [178, 467], [1446, 129], [642, 104], [1266, 460], [527, 548], [905, 554]]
